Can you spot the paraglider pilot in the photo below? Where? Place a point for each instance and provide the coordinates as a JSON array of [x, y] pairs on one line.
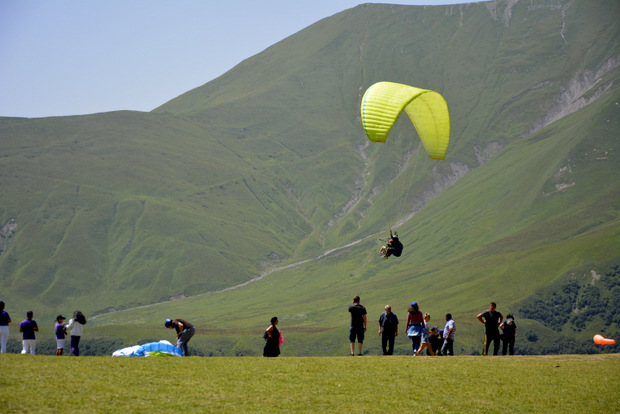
[[185, 331], [392, 247]]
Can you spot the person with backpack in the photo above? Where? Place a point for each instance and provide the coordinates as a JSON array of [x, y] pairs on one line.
[[392, 247], [272, 337]]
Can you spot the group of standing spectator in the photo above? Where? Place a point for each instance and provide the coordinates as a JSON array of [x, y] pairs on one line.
[[422, 336], [28, 327], [494, 321], [418, 329]]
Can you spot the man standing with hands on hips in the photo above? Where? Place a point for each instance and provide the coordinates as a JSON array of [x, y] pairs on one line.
[[491, 320]]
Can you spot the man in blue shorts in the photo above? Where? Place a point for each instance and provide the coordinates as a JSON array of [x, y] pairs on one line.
[[358, 324]]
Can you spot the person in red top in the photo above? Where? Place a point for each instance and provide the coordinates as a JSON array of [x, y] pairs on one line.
[[415, 326], [185, 331]]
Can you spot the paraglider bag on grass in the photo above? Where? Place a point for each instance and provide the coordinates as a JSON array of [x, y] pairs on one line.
[[414, 330]]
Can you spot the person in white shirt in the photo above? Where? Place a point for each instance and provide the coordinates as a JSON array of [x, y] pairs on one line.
[[76, 324], [448, 336]]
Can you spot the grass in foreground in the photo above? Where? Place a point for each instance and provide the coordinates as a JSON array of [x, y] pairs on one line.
[[565, 383]]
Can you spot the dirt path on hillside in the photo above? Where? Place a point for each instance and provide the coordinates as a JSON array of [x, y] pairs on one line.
[[264, 274]]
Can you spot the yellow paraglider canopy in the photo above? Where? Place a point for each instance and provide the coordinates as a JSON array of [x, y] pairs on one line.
[[383, 102]]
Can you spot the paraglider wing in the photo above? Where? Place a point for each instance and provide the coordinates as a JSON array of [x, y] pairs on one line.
[[129, 351], [161, 348], [383, 103], [158, 349]]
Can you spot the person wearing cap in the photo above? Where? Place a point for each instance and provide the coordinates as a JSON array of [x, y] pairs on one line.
[[491, 320], [509, 331], [185, 331], [358, 325], [28, 327], [415, 326], [388, 329], [60, 330]]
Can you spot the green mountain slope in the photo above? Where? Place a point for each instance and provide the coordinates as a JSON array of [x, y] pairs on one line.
[[128, 208], [266, 171]]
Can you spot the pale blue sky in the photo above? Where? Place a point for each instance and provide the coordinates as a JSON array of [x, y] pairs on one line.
[[73, 57]]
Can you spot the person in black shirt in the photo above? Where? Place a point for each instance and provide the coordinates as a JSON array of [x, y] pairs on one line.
[[185, 331], [392, 247], [491, 320], [272, 337], [509, 329], [388, 329], [358, 324]]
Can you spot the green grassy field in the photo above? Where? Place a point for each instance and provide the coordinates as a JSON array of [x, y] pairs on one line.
[[566, 383], [266, 167]]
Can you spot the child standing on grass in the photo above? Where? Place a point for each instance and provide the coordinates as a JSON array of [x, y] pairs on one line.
[[61, 330], [426, 334]]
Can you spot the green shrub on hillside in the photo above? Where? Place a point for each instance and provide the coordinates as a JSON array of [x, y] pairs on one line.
[[577, 303]]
